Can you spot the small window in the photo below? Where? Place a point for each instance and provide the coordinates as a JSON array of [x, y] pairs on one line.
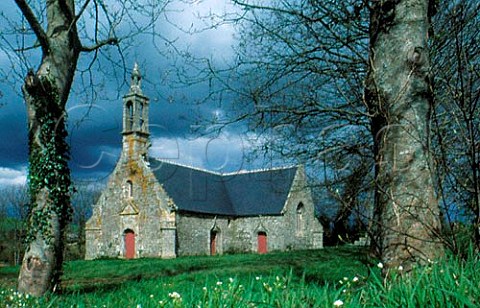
[[300, 208], [129, 189], [300, 219], [140, 114], [129, 116]]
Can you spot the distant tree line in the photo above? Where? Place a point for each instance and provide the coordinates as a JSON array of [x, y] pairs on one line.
[[14, 213]]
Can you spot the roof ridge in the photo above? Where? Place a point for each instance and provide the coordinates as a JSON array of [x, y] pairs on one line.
[[186, 166], [242, 171], [258, 170]]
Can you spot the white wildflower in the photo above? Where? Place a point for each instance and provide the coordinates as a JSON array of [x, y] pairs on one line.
[[338, 303], [174, 295], [380, 265], [400, 268], [219, 283], [355, 279]]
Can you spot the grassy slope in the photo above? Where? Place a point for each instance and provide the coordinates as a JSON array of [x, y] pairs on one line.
[[293, 279], [125, 282]]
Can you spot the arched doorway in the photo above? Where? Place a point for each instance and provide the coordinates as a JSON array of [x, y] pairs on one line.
[[129, 237], [262, 242], [213, 242]]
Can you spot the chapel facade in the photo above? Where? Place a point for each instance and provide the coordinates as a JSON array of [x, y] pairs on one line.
[[156, 208]]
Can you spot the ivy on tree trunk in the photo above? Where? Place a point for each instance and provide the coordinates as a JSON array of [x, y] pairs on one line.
[[46, 92], [49, 186]]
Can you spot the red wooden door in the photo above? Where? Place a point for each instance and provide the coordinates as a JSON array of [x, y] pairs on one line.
[[213, 243], [262, 242], [129, 244]]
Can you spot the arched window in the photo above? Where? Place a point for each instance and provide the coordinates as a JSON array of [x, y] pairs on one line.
[[129, 189], [129, 116], [300, 218], [140, 115], [300, 208]]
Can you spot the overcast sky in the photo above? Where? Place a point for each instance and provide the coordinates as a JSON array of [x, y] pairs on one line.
[[94, 128]]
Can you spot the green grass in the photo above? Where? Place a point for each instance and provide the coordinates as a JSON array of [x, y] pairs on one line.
[[293, 279]]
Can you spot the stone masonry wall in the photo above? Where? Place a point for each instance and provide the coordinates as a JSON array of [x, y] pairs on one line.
[[296, 228], [234, 235], [300, 216], [144, 210]]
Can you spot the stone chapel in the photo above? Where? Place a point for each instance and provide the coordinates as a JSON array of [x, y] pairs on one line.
[[156, 208]]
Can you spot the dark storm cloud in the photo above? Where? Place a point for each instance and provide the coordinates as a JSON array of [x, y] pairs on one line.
[[13, 135], [94, 137], [95, 117]]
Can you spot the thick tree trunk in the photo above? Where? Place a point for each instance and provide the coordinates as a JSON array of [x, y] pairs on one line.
[[41, 267], [399, 97], [49, 185], [46, 92]]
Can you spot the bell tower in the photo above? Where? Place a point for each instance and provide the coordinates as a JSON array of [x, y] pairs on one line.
[[135, 118]]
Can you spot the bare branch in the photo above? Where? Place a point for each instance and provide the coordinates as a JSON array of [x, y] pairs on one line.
[[84, 7], [77, 17], [110, 41], [34, 24]]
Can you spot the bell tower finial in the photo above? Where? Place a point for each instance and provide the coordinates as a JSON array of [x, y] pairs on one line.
[[136, 82]]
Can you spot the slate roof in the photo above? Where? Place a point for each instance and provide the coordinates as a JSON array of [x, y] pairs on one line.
[[237, 194]]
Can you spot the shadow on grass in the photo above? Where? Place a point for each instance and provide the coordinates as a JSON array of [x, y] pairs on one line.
[[316, 267], [111, 284]]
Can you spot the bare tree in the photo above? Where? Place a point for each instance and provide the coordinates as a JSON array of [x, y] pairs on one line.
[[300, 71], [297, 81], [352, 206], [456, 135], [57, 33], [85, 196]]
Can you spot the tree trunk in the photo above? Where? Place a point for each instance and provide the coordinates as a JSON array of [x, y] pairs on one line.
[[46, 92], [399, 97], [49, 184]]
